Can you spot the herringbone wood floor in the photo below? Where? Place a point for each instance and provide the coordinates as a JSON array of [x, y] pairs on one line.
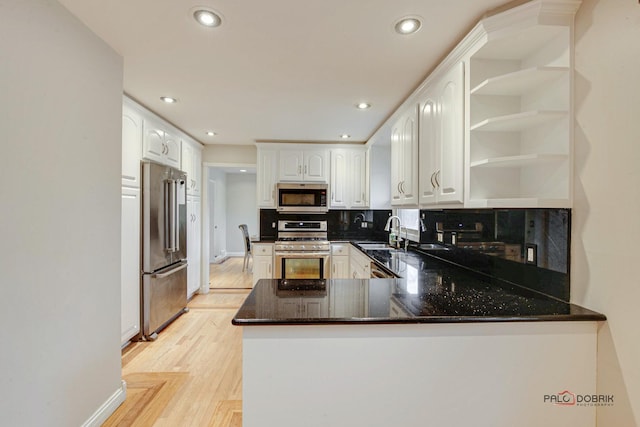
[[192, 374]]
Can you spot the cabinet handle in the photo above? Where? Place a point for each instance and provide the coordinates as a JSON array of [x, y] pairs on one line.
[[305, 169], [299, 169], [269, 269], [402, 186], [399, 191], [436, 178], [433, 185]]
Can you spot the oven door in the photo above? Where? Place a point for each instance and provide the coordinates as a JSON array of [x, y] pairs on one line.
[[302, 265]]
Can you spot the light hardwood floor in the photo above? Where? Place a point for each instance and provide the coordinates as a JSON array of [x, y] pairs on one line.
[[229, 274], [192, 374]]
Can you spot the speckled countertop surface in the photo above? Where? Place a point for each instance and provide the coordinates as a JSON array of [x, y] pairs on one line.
[[428, 291]]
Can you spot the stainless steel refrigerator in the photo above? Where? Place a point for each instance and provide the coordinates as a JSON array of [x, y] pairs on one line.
[[164, 247]]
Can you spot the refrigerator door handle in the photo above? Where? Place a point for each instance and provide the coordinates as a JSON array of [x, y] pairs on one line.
[[171, 228], [170, 272]]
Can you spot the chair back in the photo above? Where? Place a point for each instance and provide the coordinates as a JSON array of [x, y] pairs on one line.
[[245, 235]]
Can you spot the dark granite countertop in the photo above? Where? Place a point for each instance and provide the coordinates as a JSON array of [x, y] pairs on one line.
[[429, 291]]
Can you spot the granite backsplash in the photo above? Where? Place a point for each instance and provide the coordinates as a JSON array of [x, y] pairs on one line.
[[537, 243]]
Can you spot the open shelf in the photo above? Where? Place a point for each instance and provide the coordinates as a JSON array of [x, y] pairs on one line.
[[517, 161], [517, 122], [519, 82], [521, 44]]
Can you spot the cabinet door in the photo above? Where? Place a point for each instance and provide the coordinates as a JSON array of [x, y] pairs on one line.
[[131, 146], [340, 181], [153, 141], [359, 179], [396, 164], [315, 165], [267, 178], [291, 165], [130, 259], [262, 268], [340, 267], [429, 139], [193, 244], [196, 171], [172, 150], [409, 184], [191, 161], [451, 102]]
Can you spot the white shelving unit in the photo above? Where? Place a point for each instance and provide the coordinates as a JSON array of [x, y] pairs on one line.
[[519, 110]]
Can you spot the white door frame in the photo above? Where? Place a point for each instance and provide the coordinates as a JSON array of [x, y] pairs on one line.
[[206, 215]]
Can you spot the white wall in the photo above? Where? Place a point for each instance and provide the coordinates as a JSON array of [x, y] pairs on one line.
[[217, 187], [242, 208], [60, 118], [230, 154], [606, 225]]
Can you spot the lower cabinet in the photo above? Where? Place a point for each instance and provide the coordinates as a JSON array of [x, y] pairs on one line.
[[193, 244], [360, 265], [262, 261], [130, 264], [340, 261]]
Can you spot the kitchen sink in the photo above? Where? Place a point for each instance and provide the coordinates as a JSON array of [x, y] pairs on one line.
[[376, 246]]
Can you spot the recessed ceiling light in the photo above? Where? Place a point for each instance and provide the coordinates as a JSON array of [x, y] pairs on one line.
[[408, 25], [211, 133], [168, 99], [345, 136], [243, 170], [363, 105], [206, 17]]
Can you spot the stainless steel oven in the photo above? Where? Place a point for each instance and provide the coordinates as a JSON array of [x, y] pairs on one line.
[[302, 250]]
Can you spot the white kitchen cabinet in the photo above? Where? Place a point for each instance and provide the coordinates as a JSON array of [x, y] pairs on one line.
[[131, 144], [194, 222], [191, 160], [267, 177], [262, 261], [160, 144], [303, 165], [130, 264], [441, 139], [359, 264], [520, 112], [340, 261], [404, 159], [349, 178]]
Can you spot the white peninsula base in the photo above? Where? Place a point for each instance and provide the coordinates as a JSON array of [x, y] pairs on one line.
[[489, 374]]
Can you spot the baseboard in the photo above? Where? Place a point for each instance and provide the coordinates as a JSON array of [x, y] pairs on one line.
[[108, 407], [235, 254]]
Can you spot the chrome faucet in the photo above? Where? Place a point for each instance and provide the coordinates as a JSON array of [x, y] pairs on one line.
[[387, 227]]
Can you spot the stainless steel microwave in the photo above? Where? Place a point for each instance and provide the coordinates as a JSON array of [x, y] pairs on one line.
[[302, 197]]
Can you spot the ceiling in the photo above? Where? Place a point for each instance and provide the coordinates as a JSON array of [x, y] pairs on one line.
[[277, 70]]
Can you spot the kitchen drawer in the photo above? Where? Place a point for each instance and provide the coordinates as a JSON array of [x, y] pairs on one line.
[[339, 249], [262, 249]]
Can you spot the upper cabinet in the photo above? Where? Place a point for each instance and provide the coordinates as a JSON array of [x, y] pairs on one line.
[[520, 109], [131, 144], [304, 165], [494, 124], [404, 159], [441, 122], [267, 177], [160, 144], [192, 164], [349, 186]]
